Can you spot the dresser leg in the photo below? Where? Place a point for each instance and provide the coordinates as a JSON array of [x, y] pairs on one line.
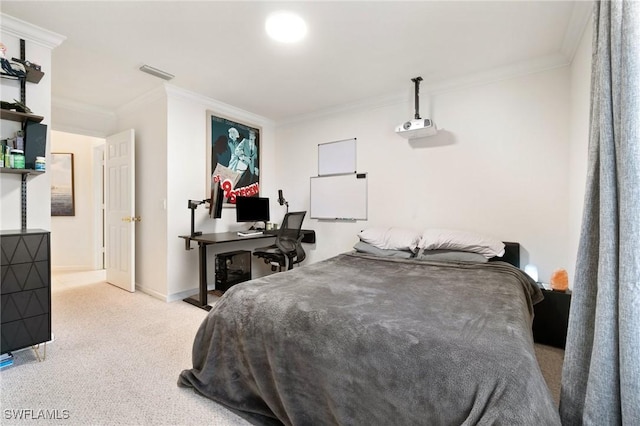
[[37, 351]]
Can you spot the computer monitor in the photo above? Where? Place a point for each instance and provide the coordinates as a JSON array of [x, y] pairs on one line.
[[215, 205], [252, 209]]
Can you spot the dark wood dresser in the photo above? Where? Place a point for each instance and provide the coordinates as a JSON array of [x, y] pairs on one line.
[[25, 283]]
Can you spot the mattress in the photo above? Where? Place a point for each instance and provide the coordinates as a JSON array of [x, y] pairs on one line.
[[362, 340]]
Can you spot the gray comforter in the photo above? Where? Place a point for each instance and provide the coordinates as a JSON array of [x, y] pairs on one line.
[[360, 340]]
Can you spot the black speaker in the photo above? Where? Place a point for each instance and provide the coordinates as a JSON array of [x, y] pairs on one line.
[[35, 143]]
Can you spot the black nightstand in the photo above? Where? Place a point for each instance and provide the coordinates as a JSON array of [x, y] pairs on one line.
[[552, 318]]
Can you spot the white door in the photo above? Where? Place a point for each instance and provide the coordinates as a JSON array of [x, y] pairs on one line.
[[120, 210]]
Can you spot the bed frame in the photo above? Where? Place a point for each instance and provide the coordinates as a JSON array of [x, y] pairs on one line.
[[511, 254]]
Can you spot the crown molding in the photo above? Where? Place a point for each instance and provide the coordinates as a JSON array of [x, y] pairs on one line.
[[101, 120], [213, 104], [363, 104], [24, 30], [75, 106], [155, 94], [169, 91], [580, 18], [541, 64]]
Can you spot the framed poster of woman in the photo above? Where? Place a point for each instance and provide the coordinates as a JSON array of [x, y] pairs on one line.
[[233, 158]]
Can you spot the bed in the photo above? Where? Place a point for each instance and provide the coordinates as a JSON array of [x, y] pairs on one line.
[[364, 339]]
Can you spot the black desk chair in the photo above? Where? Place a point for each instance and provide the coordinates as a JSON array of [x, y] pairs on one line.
[[287, 250]]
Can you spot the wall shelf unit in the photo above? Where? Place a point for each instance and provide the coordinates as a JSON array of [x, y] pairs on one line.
[[25, 256], [23, 118], [23, 190], [23, 172], [20, 117]]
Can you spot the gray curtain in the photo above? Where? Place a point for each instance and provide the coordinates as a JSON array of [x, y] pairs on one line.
[[601, 372]]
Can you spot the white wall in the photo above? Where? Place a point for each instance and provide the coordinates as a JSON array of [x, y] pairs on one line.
[[171, 144], [187, 145], [38, 46], [579, 145], [509, 161], [73, 237], [499, 165]]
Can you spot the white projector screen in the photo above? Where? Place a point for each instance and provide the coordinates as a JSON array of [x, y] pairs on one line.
[[339, 197]]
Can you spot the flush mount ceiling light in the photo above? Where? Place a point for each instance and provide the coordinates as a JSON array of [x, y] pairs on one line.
[[285, 27], [156, 72]]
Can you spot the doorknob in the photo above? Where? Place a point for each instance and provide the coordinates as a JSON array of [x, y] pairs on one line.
[[132, 219]]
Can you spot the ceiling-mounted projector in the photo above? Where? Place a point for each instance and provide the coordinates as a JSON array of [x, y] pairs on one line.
[[418, 127]]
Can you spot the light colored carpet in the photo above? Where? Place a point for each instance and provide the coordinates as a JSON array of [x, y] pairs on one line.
[[550, 360], [115, 360], [116, 357]]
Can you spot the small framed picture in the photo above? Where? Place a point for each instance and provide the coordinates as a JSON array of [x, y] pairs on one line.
[[62, 190]]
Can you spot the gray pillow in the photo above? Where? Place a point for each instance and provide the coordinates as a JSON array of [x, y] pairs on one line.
[[363, 247], [451, 256]]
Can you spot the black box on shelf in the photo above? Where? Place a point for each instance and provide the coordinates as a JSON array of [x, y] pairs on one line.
[[35, 143], [232, 268]]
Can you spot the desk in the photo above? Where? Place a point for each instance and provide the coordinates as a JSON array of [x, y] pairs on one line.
[[204, 240]]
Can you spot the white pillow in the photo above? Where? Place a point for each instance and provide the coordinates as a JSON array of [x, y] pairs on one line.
[[391, 238], [449, 239]]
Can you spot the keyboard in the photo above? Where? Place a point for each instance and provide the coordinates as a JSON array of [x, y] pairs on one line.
[[249, 233]]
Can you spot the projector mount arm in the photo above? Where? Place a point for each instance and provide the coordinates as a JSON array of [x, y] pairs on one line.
[[417, 81]]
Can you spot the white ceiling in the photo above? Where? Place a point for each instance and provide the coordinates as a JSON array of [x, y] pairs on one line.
[[354, 51]]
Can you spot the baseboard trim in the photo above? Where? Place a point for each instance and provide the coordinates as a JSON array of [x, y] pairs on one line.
[[76, 268], [194, 292]]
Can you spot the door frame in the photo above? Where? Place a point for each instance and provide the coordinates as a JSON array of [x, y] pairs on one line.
[[98, 207]]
